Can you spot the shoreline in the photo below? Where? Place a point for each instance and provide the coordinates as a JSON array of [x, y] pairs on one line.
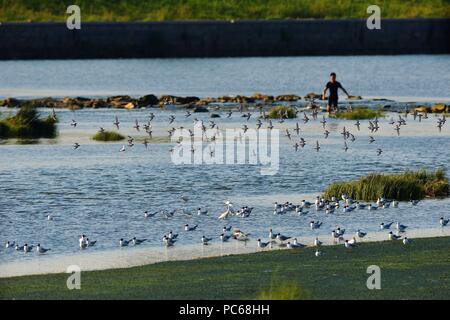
[[124, 258]]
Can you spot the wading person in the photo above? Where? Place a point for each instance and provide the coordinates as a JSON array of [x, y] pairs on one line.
[[333, 98]]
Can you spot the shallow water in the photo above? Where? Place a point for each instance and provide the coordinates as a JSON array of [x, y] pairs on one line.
[[100, 192], [411, 77]]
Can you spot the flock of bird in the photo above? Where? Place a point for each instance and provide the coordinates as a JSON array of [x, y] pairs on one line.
[[274, 239], [328, 206], [348, 135]]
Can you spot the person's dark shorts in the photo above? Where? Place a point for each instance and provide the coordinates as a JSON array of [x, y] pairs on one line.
[[333, 101]]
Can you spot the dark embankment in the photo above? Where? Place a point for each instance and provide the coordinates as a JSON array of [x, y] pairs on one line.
[[223, 39]]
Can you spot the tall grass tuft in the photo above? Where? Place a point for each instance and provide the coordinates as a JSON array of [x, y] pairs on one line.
[[281, 112], [27, 124], [283, 291], [404, 186], [361, 113], [108, 136]]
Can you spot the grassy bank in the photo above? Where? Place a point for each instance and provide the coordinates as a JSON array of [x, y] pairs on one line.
[[360, 113], [418, 271], [404, 186], [27, 124], [160, 10], [108, 136]]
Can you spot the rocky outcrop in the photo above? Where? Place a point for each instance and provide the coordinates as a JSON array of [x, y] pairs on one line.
[[439, 108], [148, 100], [167, 99], [200, 109], [313, 95], [287, 97]]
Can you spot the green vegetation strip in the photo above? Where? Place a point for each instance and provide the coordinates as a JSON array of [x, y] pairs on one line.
[[405, 186], [26, 124], [417, 271], [161, 10]]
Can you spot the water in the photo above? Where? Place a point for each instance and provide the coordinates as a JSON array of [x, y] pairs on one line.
[[103, 193], [414, 76]]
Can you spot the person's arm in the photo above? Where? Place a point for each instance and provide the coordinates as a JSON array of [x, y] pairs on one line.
[[324, 92], [345, 91]]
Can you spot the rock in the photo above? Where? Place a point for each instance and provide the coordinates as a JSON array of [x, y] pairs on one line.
[[262, 97], [167, 99], [130, 105], [287, 97], [214, 115], [439, 108], [200, 109], [148, 100], [354, 98], [313, 95], [121, 101], [422, 109]]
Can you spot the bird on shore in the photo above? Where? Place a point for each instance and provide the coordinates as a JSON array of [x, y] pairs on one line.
[[205, 240], [392, 236], [406, 241], [386, 225], [224, 237], [348, 244], [27, 248], [262, 244], [123, 243], [282, 238], [400, 227], [315, 224], [10, 244], [90, 243], [317, 242], [318, 253], [360, 234], [443, 222], [168, 242], [122, 149]]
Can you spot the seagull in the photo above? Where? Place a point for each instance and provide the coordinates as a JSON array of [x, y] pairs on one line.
[[40, 249], [414, 202], [90, 243], [315, 224], [74, 123], [27, 248], [295, 244], [385, 225], [225, 229], [122, 149], [171, 119], [379, 151], [406, 241], [10, 244], [282, 238], [229, 113], [348, 244], [205, 240], [357, 124], [360, 234], [168, 242], [123, 243], [392, 236], [49, 217], [317, 242], [371, 139], [443, 222], [18, 248], [136, 242], [76, 145], [187, 228], [224, 237], [200, 212], [318, 253], [400, 227], [262, 244], [326, 134], [149, 215], [188, 114], [184, 198]]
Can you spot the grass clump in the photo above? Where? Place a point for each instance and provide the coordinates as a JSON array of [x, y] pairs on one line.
[[362, 113], [27, 124], [107, 136], [283, 291], [404, 186], [281, 112]]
